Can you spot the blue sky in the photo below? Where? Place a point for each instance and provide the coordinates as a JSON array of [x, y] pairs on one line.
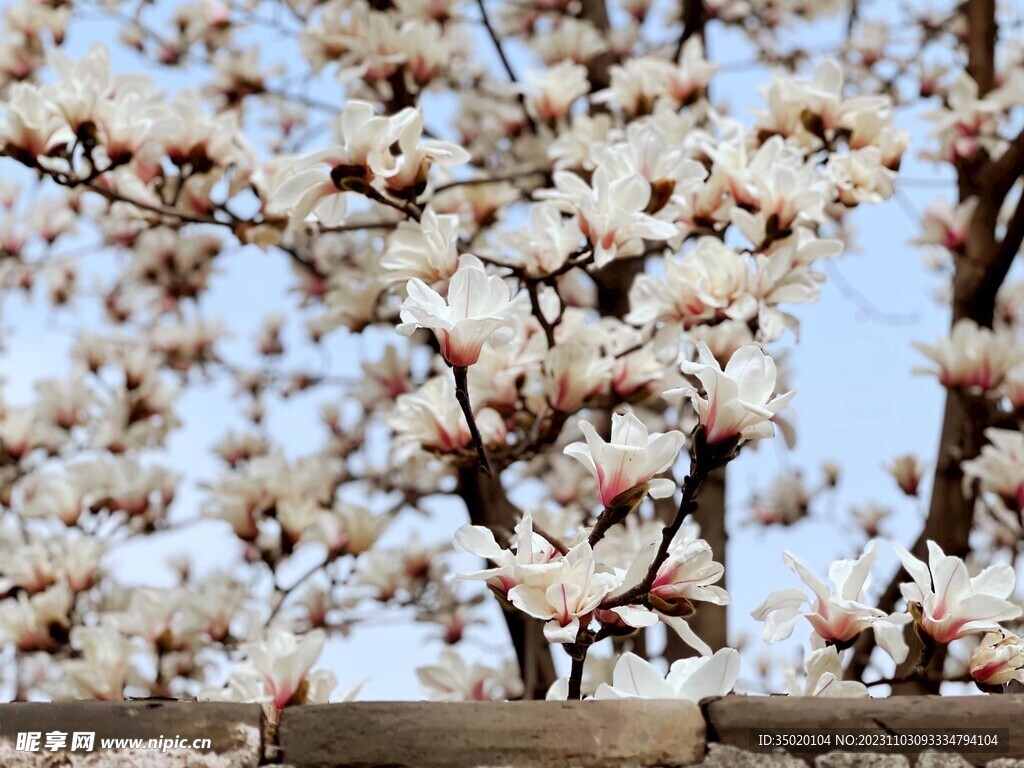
[[858, 402]]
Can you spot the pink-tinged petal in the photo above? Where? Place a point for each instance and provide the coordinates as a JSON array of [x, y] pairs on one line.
[[563, 597]]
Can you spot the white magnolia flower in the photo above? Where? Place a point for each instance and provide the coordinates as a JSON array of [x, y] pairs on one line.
[[566, 596], [574, 371], [610, 212], [999, 659], [33, 623], [418, 155], [692, 679], [630, 460], [52, 496], [825, 677], [284, 662], [837, 615], [546, 243], [550, 94], [739, 400], [452, 679], [907, 471], [315, 184], [709, 282], [689, 573], [99, 672], [786, 501], [946, 226], [532, 559], [973, 356], [950, 602], [1000, 467], [478, 309], [427, 249], [869, 517]]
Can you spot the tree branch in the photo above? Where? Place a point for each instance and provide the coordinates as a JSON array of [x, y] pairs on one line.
[[1003, 173], [1010, 245], [504, 62], [693, 24], [462, 395]]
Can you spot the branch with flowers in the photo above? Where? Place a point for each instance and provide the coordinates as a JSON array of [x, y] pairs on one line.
[[548, 298]]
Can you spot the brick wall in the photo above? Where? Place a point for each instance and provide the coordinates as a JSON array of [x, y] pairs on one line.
[[720, 734]]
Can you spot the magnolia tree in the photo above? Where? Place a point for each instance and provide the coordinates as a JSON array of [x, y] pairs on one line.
[[572, 266]]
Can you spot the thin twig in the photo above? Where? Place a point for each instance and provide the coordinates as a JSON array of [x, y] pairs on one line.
[[576, 677], [538, 312], [462, 395], [513, 176], [286, 593], [508, 67]]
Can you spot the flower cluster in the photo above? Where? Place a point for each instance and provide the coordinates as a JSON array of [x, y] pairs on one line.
[[543, 289]]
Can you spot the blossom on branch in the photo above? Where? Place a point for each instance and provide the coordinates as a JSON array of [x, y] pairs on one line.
[[478, 309], [838, 614], [693, 679], [973, 357], [999, 659], [610, 211], [628, 462], [948, 603], [566, 596], [738, 403], [534, 556], [825, 677], [452, 679], [1000, 467]]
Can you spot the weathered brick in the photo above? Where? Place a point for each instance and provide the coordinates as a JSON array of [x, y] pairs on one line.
[[593, 734], [234, 731]]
